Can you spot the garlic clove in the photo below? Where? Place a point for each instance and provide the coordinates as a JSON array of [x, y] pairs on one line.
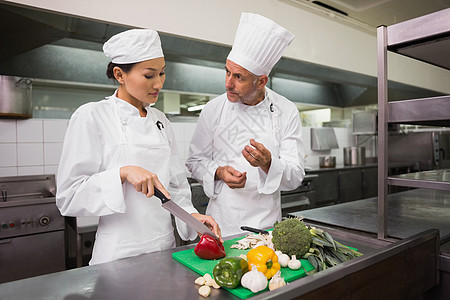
[[204, 291], [215, 285], [276, 282], [200, 281], [207, 277]]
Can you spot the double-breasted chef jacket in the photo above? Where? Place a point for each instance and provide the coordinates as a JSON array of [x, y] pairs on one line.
[[223, 129], [101, 138]]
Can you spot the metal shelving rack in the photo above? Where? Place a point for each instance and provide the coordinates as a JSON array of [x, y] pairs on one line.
[[426, 39]]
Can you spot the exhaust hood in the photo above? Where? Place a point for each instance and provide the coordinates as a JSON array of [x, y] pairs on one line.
[[36, 39], [323, 139]]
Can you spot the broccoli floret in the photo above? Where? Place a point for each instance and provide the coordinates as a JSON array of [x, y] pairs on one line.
[[292, 237]]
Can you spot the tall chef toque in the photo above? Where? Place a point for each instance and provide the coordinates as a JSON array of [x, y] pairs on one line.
[[133, 46], [259, 43]]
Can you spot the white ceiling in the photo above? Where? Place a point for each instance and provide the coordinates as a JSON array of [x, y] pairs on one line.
[[384, 12], [374, 13]]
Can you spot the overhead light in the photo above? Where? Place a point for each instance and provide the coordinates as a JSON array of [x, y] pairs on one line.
[[195, 108]]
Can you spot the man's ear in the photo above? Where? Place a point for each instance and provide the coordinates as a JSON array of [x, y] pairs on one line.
[[262, 80], [119, 74]]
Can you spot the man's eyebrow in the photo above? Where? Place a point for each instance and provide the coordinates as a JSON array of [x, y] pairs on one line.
[[235, 73]]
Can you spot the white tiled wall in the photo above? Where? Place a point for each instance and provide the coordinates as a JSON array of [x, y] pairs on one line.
[[33, 146], [30, 147]]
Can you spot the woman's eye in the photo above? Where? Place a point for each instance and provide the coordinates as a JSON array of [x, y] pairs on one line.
[[162, 73], [148, 76]]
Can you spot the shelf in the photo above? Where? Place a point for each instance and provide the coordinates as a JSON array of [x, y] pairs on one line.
[[436, 180], [425, 38], [427, 111]]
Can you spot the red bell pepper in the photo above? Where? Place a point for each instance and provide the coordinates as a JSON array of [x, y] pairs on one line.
[[209, 248]]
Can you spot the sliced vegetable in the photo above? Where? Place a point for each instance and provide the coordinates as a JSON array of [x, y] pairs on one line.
[[229, 271], [265, 260], [254, 280], [209, 248]]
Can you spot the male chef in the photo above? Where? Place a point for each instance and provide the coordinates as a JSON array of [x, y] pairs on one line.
[[247, 145]]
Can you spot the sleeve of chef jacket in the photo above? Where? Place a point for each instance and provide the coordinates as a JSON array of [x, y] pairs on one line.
[[179, 188], [200, 161], [82, 188], [286, 170]]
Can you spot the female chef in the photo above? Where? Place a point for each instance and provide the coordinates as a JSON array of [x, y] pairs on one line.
[[117, 150]]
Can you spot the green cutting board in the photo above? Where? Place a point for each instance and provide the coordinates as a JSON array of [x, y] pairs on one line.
[[202, 266]]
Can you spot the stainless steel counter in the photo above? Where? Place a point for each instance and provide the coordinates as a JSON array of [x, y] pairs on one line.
[[409, 213], [158, 276], [150, 276], [314, 170]]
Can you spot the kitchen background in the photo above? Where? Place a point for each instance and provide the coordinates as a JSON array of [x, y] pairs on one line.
[[63, 64], [32, 147], [329, 72]]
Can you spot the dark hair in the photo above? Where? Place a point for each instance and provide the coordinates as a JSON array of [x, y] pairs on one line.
[[125, 67]]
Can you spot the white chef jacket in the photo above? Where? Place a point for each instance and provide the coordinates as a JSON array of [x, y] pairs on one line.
[[85, 184], [236, 123]]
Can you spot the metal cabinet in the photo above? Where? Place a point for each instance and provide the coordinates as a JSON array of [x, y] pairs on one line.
[[369, 182], [350, 185], [343, 185], [326, 187], [31, 255]]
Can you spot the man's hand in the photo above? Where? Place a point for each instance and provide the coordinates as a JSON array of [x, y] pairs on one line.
[[258, 155], [233, 178]]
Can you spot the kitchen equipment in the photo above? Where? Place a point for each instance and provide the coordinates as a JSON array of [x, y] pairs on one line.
[[354, 156], [365, 122], [303, 197], [327, 161], [199, 198], [182, 214], [202, 266], [255, 230], [15, 97], [32, 228], [323, 139]]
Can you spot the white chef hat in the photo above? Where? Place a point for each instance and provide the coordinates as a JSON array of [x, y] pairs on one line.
[[259, 43], [133, 46]]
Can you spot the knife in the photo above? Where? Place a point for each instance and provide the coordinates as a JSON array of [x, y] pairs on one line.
[[183, 215], [255, 230]]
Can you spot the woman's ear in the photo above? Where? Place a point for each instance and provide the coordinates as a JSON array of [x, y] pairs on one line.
[[119, 74]]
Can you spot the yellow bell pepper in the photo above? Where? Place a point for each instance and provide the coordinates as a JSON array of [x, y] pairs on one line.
[[265, 260]]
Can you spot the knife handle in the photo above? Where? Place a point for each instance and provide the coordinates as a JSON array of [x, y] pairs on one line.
[[161, 196], [256, 230]]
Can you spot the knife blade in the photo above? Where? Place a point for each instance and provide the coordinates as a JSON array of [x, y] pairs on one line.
[[183, 215]]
